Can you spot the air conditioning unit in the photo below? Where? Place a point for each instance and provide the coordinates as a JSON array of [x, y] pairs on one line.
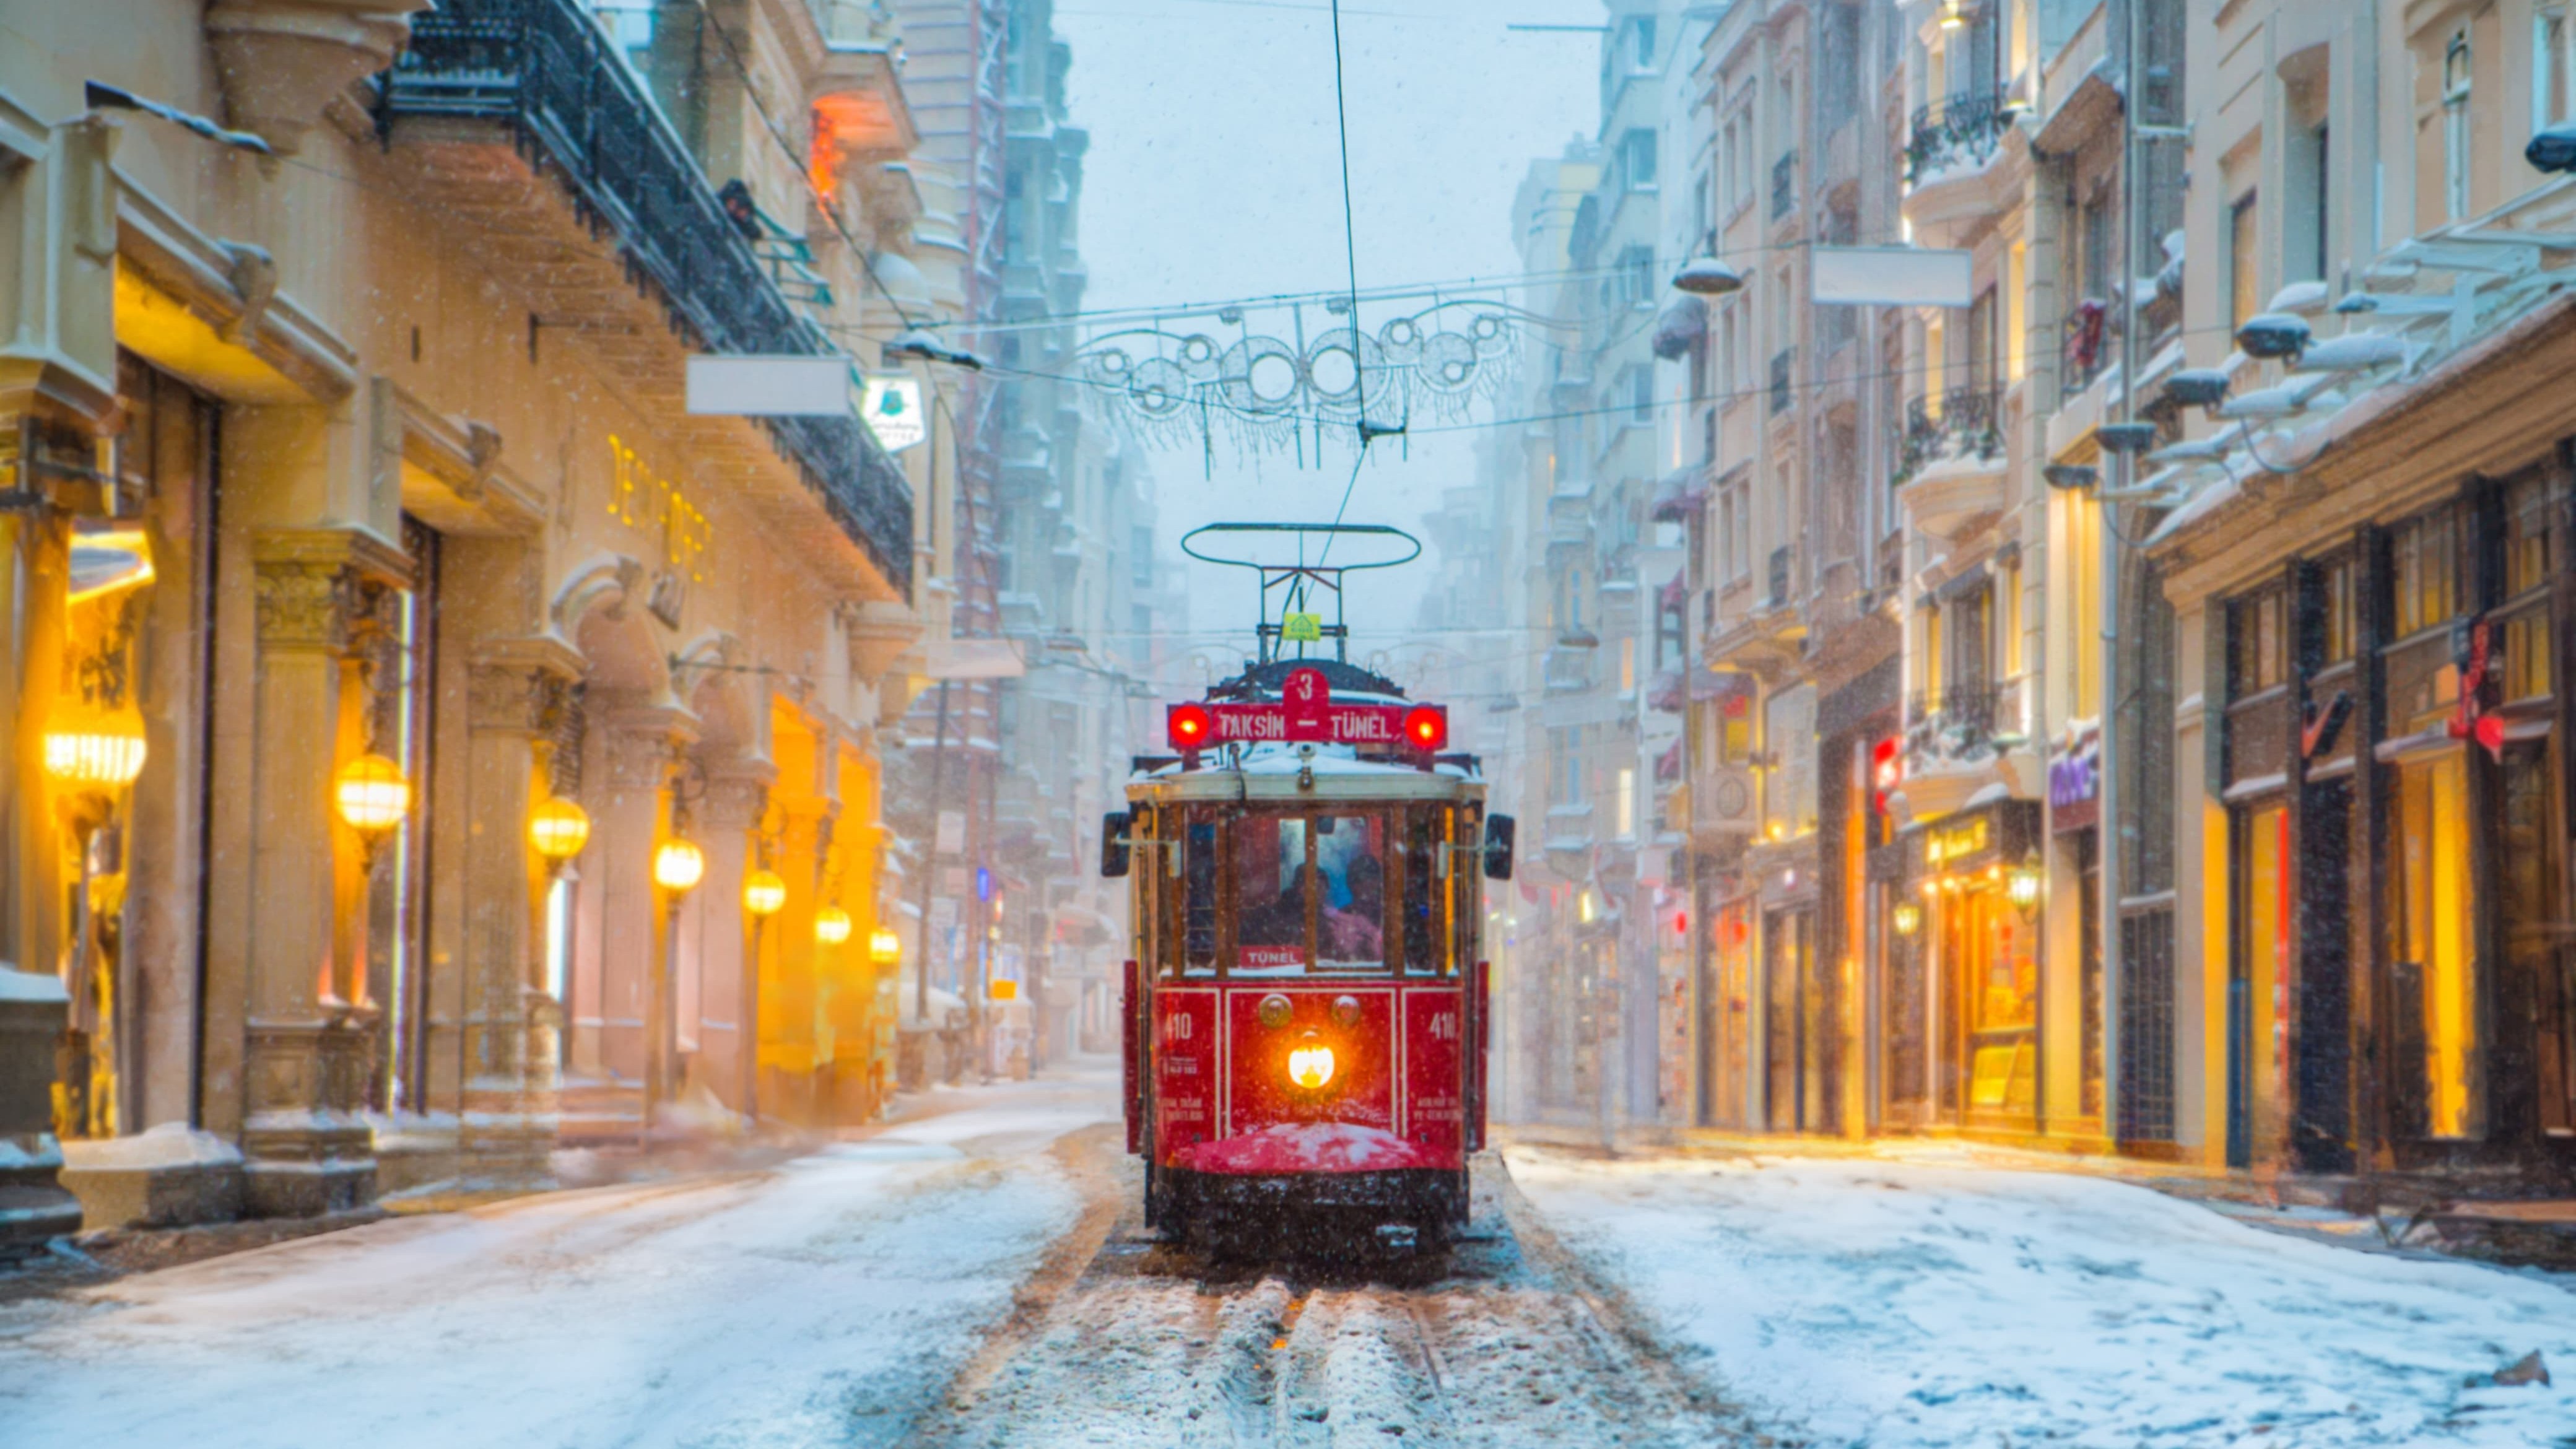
[[1726, 801]]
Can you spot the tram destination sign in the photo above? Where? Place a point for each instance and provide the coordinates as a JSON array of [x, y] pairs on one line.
[[1306, 711]]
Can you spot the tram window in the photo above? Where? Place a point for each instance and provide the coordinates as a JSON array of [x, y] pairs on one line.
[[1271, 868], [1350, 880], [1198, 899], [1426, 924]]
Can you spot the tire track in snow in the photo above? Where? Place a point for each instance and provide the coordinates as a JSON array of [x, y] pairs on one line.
[[1505, 1342]]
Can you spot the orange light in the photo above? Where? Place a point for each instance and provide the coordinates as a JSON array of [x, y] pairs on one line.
[[884, 947], [1005, 989], [831, 925], [372, 794], [1310, 1066], [1189, 726], [764, 892], [1427, 726], [678, 865]]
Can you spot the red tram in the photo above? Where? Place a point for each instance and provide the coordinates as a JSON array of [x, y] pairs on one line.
[[1306, 1014]]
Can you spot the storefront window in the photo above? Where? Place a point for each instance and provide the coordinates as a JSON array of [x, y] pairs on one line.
[[2533, 941], [2432, 945], [2424, 570], [2262, 965], [1997, 969]]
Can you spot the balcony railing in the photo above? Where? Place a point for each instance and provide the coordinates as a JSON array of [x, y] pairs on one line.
[[1962, 130], [1967, 423], [575, 109], [1957, 723], [1784, 185]]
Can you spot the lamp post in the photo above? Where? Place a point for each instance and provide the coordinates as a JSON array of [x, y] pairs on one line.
[[764, 893], [678, 866], [557, 830]]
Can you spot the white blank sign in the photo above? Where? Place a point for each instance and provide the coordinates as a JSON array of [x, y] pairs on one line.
[[769, 387], [1893, 276]]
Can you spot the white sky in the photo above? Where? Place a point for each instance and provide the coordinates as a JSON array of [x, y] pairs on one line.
[[1214, 174]]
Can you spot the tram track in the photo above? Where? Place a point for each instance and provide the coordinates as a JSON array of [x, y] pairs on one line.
[[1126, 1340]]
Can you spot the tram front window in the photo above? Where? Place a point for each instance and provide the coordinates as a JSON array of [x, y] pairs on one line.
[[1350, 871], [1271, 868]]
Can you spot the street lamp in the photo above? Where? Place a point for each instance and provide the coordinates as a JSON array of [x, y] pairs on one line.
[[2022, 884], [831, 925], [557, 830], [763, 893], [94, 757], [372, 795], [1707, 277], [678, 865], [1907, 917], [885, 948]]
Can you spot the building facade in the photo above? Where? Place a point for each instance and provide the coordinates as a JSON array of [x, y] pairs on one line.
[[359, 527]]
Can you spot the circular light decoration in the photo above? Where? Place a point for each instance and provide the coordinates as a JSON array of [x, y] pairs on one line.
[[884, 947], [558, 828], [372, 794], [1189, 726], [86, 757], [678, 865], [763, 892], [831, 925]]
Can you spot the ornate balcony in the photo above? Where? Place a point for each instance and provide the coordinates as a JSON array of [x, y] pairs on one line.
[[1950, 460], [544, 76], [1961, 131]]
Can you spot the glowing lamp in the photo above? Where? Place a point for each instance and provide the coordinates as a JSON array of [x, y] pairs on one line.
[[1426, 727], [372, 794], [1189, 726], [884, 947], [763, 892], [558, 828], [1310, 1066], [2022, 886], [1005, 989], [1907, 918], [87, 758], [678, 865], [831, 925]]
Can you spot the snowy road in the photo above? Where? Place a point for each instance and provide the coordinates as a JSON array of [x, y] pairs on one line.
[[1890, 1302], [825, 1302]]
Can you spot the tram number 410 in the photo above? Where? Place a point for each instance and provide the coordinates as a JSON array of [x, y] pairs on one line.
[[1444, 1026], [1177, 1028]]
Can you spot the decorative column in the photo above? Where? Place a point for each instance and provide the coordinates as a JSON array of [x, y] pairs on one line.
[[641, 747], [517, 693], [788, 992], [728, 994], [309, 1048]]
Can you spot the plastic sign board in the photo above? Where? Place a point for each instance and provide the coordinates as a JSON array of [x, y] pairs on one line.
[[892, 410], [1302, 628], [1892, 276], [769, 386]]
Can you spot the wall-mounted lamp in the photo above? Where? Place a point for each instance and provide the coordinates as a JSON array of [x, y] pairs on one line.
[[885, 948], [91, 757], [831, 925], [557, 829], [678, 865], [763, 893], [1907, 918], [371, 794], [2021, 886]]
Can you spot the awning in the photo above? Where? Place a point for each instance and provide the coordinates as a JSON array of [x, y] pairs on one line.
[[1665, 694], [1680, 496], [1682, 329]]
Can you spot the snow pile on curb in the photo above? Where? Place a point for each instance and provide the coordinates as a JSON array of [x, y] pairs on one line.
[[1869, 1302]]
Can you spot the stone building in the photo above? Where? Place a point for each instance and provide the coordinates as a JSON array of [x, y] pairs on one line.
[[357, 519]]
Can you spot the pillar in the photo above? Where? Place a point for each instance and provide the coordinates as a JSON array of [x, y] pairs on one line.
[[727, 980], [517, 692], [626, 825], [788, 994], [310, 1031]]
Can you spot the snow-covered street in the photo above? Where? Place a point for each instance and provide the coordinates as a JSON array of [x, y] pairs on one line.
[[1909, 1302], [823, 1302]]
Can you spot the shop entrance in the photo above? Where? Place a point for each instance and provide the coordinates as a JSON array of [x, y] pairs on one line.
[[1988, 949], [1793, 1023]]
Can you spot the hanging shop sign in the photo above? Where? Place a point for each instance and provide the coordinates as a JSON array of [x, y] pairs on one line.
[[2075, 778], [892, 408]]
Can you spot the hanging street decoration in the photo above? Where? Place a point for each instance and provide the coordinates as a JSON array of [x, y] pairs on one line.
[[1265, 392], [891, 406]]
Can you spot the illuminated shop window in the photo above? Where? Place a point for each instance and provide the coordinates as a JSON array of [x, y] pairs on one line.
[[2432, 945]]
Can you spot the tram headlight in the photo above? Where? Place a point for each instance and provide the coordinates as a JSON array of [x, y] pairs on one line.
[[1310, 1066]]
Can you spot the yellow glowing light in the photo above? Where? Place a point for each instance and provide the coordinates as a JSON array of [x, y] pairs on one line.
[[831, 925], [83, 757], [679, 865], [763, 892], [1005, 989], [372, 794], [558, 828], [2023, 885], [1310, 1066], [1907, 918], [884, 947]]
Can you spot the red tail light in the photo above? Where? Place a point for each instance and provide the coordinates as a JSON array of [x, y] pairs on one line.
[[1189, 726], [1427, 727]]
